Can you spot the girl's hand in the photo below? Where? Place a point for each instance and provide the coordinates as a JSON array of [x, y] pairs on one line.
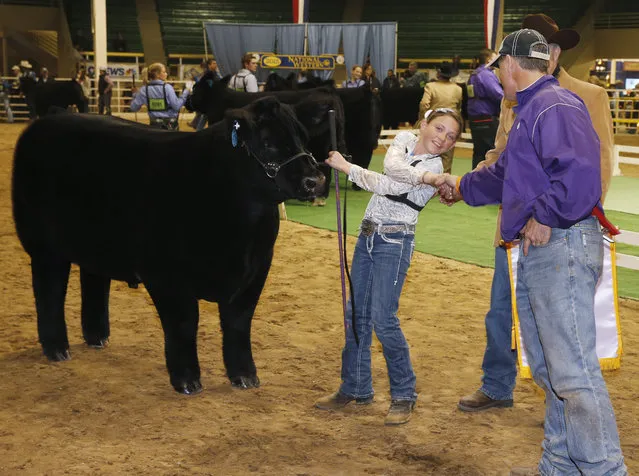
[[337, 161]]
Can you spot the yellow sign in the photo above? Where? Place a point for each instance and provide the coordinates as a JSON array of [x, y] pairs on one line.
[[271, 61], [631, 66]]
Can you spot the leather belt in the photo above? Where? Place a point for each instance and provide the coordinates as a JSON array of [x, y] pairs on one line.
[[368, 227]]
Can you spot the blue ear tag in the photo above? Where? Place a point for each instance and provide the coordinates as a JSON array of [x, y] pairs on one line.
[[236, 126]]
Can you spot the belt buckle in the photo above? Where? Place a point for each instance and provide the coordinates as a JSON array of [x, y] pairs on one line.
[[368, 227]]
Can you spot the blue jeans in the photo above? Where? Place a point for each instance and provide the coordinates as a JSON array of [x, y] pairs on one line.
[[378, 271], [500, 361], [7, 107], [555, 301]]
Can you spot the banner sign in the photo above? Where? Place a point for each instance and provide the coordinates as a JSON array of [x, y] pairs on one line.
[[115, 70], [321, 62]]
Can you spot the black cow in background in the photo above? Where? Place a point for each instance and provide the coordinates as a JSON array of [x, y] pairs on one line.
[[400, 105], [275, 82], [213, 98], [59, 94], [191, 215]]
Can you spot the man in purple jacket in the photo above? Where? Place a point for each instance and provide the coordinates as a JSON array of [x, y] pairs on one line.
[[548, 181], [484, 101]]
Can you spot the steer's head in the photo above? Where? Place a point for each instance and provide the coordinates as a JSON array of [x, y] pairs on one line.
[[277, 160]]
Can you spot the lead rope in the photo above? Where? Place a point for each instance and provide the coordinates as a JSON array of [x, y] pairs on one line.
[[341, 237]]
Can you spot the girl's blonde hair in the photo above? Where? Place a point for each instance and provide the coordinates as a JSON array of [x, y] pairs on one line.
[[444, 111], [154, 70]]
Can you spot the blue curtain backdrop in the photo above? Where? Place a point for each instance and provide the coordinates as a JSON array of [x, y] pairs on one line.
[[229, 42], [381, 48], [290, 41], [356, 45], [324, 38]]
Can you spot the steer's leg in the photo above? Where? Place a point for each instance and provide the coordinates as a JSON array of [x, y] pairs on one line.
[[95, 308], [50, 278], [179, 315], [236, 317]]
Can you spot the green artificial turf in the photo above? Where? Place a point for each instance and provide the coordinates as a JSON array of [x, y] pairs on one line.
[[460, 232]]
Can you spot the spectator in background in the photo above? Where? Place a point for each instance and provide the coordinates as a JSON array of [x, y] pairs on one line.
[[209, 66], [162, 103], [442, 94], [105, 91], [390, 81], [415, 79], [244, 79], [28, 83], [44, 76], [370, 78], [5, 90], [356, 80], [82, 79], [484, 101]]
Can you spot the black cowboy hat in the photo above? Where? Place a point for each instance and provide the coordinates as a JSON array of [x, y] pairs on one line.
[[566, 39], [447, 70]]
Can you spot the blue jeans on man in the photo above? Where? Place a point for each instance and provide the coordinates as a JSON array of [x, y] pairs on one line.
[[379, 267], [555, 301], [500, 360]]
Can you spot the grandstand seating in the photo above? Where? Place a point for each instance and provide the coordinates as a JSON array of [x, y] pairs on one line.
[[456, 27], [181, 20], [121, 17]]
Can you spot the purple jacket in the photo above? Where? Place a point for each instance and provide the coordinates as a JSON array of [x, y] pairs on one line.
[[488, 93], [550, 168]]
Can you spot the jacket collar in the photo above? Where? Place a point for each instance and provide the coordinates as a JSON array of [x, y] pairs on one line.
[[525, 95]]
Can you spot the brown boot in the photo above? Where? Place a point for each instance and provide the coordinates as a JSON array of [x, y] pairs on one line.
[[338, 400], [399, 412], [479, 401]]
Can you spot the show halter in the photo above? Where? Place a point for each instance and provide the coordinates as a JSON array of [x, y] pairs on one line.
[[341, 238]]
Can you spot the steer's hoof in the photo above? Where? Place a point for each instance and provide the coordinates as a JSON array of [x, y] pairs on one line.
[[97, 342], [188, 388], [58, 355], [245, 382]]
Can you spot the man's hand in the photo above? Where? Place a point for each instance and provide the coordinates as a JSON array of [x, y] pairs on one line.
[[534, 233], [447, 186], [337, 161]]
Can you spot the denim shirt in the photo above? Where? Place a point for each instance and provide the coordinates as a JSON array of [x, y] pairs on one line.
[[154, 88], [550, 169]]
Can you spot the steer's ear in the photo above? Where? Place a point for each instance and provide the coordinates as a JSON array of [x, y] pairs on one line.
[[239, 126], [266, 107]]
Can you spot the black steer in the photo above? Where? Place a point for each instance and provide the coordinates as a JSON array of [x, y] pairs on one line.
[[191, 215], [360, 122], [60, 94]]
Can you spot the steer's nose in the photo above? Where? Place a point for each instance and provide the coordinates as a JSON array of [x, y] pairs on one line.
[[313, 184]]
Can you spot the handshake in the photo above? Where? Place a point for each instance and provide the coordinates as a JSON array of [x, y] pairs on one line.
[[446, 185]]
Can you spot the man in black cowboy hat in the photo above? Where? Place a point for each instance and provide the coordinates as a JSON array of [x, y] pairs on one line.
[[442, 93], [499, 364]]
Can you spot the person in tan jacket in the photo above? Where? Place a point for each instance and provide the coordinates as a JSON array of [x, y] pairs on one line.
[[442, 94], [499, 364]]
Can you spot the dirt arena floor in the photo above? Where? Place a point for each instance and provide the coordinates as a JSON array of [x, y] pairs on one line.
[[113, 412]]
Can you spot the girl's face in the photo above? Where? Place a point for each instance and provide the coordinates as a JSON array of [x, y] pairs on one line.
[[440, 134], [357, 73]]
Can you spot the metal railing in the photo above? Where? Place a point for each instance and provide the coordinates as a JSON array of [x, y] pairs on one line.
[[623, 107]]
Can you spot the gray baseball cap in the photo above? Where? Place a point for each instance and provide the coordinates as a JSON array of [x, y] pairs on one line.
[[523, 43]]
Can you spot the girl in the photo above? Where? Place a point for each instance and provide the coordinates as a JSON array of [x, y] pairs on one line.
[[382, 257]]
